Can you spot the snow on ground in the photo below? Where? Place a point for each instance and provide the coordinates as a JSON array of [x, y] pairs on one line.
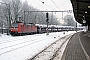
[[24, 47]]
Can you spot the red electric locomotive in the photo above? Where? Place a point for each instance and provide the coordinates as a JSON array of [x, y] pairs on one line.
[[20, 28]]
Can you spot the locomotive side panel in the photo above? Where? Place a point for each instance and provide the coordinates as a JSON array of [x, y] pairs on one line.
[[20, 28], [34, 28]]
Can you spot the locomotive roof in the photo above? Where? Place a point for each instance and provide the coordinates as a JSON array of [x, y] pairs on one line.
[[30, 24]]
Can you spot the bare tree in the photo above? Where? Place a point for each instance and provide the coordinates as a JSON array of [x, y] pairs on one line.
[[15, 9], [69, 20]]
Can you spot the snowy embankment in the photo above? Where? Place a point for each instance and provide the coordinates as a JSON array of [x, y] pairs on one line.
[[24, 47]]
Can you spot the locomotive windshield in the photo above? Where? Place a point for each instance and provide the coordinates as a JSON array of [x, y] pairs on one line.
[[14, 24]]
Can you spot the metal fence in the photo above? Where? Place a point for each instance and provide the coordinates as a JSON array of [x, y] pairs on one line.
[[3, 30]]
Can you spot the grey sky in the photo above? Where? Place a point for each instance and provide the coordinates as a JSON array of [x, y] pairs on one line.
[[52, 5]]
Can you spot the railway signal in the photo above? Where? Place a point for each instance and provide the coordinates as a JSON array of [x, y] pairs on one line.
[[47, 15], [47, 19]]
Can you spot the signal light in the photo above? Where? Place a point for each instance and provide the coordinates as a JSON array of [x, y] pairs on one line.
[[47, 18], [47, 15]]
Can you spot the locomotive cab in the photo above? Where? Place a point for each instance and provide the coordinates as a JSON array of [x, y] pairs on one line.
[[14, 28]]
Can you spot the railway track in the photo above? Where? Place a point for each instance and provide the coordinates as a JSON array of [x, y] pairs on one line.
[[10, 40], [13, 47], [5, 48], [53, 51]]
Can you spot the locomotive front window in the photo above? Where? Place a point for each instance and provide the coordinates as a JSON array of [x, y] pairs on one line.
[[15, 25]]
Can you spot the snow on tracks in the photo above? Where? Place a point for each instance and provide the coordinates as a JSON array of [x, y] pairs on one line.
[[52, 51]]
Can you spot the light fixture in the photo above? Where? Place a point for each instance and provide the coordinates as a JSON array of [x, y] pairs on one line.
[[86, 12], [83, 16], [84, 21], [89, 6]]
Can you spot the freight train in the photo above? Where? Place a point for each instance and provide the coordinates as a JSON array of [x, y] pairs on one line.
[[19, 28]]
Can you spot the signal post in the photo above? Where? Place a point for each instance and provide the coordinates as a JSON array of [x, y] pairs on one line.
[[47, 20]]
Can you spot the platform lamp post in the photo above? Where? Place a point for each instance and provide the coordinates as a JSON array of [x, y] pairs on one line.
[[8, 21]]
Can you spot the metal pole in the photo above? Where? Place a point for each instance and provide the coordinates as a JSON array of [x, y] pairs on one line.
[[2, 27], [47, 29], [9, 22], [49, 11], [35, 19], [24, 16], [7, 27], [52, 18], [62, 15], [47, 18]]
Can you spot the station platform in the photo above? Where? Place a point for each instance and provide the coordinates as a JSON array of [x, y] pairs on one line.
[[78, 47]]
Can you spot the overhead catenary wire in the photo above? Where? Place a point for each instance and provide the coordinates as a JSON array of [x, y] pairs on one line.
[[55, 4], [37, 2], [43, 3], [62, 3]]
